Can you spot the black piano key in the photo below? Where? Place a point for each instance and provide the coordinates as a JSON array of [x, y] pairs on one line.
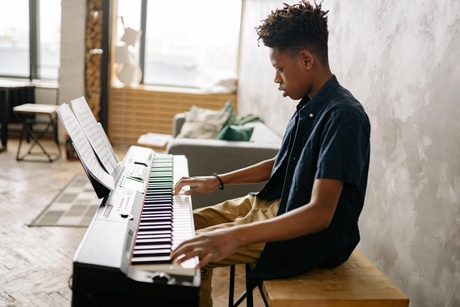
[[153, 241], [154, 236], [159, 196], [159, 192], [158, 177], [161, 214], [157, 215], [153, 227], [157, 211], [158, 200], [159, 233], [154, 204], [155, 220], [152, 252], [165, 201], [151, 260], [155, 224], [157, 204], [153, 246], [160, 181], [149, 223]]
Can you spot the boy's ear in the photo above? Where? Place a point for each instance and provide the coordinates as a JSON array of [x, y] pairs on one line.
[[307, 59]]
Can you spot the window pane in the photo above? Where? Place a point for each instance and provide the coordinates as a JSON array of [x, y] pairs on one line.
[[14, 38], [129, 16], [191, 43], [50, 39]]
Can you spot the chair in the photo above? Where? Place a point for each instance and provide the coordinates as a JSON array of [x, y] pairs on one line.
[[28, 113], [246, 294]]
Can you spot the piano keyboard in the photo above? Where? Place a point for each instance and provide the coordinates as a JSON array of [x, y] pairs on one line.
[[165, 222], [155, 233], [124, 257]]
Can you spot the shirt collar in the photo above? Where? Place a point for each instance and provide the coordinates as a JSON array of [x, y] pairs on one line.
[[308, 106]]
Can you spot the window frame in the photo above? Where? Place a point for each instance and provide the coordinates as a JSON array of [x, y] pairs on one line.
[[34, 46], [142, 45]]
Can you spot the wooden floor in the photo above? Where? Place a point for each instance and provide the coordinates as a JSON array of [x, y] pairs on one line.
[[36, 262]]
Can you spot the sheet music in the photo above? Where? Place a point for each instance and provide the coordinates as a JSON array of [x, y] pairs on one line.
[[109, 146], [83, 147], [96, 136]]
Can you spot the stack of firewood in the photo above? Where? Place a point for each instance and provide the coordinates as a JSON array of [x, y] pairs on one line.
[[93, 56]]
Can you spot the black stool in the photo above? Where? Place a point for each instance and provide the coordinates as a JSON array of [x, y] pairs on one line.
[[246, 294], [28, 131]]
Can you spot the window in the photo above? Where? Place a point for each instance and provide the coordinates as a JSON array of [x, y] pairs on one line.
[[30, 39], [185, 43]]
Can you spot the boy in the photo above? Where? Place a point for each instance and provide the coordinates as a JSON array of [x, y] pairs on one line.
[[307, 214]]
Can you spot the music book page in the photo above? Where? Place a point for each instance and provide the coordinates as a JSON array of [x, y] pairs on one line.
[[96, 136], [109, 146], [83, 147]]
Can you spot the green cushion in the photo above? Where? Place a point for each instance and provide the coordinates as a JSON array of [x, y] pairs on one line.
[[235, 133]]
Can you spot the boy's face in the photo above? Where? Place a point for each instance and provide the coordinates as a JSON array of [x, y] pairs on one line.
[[292, 75]]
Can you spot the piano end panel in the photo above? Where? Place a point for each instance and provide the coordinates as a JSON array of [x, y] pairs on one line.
[[102, 286], [96, 249]]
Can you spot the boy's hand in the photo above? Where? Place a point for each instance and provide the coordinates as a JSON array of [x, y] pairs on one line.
[[209, 247], [197, 185]]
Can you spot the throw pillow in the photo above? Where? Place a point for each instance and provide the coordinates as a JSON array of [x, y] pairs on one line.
[[235, 133], [203, 123], [228, 107]]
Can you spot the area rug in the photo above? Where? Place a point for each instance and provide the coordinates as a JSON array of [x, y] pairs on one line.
[[74, 206]]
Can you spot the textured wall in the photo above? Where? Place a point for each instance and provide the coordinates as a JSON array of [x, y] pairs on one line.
[[72, 71], [401, 60], [256, 88]]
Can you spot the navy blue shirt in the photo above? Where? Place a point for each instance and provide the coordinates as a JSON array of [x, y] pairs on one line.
[[327, 137]]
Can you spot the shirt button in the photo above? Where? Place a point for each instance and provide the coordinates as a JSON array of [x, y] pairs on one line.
[[311, 115]]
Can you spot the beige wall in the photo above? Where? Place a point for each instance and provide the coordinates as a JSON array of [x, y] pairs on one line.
[[72, 71], [400, 59], [257, 91]]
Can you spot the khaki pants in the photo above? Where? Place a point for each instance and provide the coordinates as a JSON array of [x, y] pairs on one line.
[[232, 212]]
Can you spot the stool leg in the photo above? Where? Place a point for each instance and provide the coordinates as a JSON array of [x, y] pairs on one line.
[[262, 294], [249, 297], [21, 137], [53, 120], [231, 288]]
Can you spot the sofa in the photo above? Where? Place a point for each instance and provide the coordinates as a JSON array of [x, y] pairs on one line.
[[207, 156]]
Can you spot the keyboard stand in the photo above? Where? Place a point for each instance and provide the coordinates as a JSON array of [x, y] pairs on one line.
[[28, 132]]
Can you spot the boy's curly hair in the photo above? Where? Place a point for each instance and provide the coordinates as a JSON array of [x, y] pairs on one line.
[[296, 27]]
